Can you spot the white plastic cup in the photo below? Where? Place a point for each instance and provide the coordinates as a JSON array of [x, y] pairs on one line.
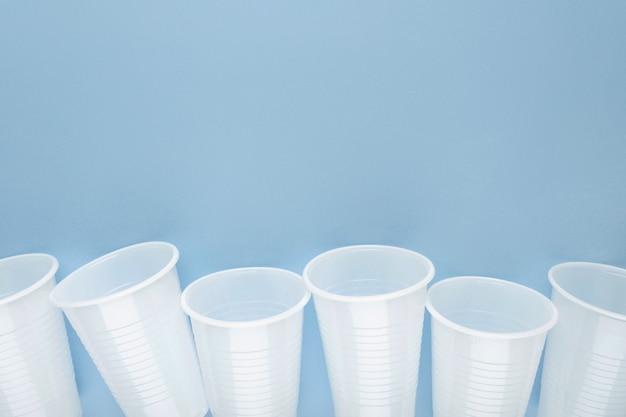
[[487, 338], [36, 372], [584, 373], [247, 324], [125, 306], [369, 301]]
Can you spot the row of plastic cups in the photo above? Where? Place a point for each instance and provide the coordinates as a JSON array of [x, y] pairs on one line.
[[487, 336]]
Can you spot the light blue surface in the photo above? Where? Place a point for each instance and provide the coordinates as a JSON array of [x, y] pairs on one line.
[[488, 135]]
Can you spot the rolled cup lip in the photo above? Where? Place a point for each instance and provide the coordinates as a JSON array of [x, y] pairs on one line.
[[576, 300], [54, 266], [118, 294], [492, 335], [199, 317], [367, 298]]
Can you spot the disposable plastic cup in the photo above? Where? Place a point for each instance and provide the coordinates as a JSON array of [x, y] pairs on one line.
[[247, 324], [125, 307], [584, 373], [487, 338], [36, 372], [369, 301]]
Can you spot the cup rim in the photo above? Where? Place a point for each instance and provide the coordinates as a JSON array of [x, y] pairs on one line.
[[195, 315], [544, 328], [576, 300], [68, 280], [54, 267], [423, 282]]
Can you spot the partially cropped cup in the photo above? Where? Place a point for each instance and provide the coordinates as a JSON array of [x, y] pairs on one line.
[[36, 372], [369, 301], [584, 373], [247, 324], [487, 338], [125, 307]]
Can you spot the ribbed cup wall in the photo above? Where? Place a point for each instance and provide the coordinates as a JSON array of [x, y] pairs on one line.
[[150, 364], [251, 371], [482, 377], [466, 387], [600, 387], [36, 373], [585, 367], [258, 383], [380, 368], [372, 353]]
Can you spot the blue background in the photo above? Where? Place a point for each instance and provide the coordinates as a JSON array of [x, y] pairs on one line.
[[488, 135]]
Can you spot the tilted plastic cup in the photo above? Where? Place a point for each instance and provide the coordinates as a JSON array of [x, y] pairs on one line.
[[584, 373], [125, 307], [36, 372], [247, 324], [369, 301], [487, 338]]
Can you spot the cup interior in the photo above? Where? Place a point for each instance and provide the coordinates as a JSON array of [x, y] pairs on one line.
[[601, 286], [245, 294], [19, 273], [115, 272], [490, 305], [367, 270]]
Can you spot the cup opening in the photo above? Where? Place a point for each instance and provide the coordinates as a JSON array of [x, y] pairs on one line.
[[597, 285], [129, 268], [367, 271], [244, 295], [490, 306], [20, 274]]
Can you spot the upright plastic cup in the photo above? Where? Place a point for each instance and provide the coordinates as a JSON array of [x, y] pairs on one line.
[[247, 324], [487, 339], [36, 373], [125, 306], [584, 372], [369, 301]]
